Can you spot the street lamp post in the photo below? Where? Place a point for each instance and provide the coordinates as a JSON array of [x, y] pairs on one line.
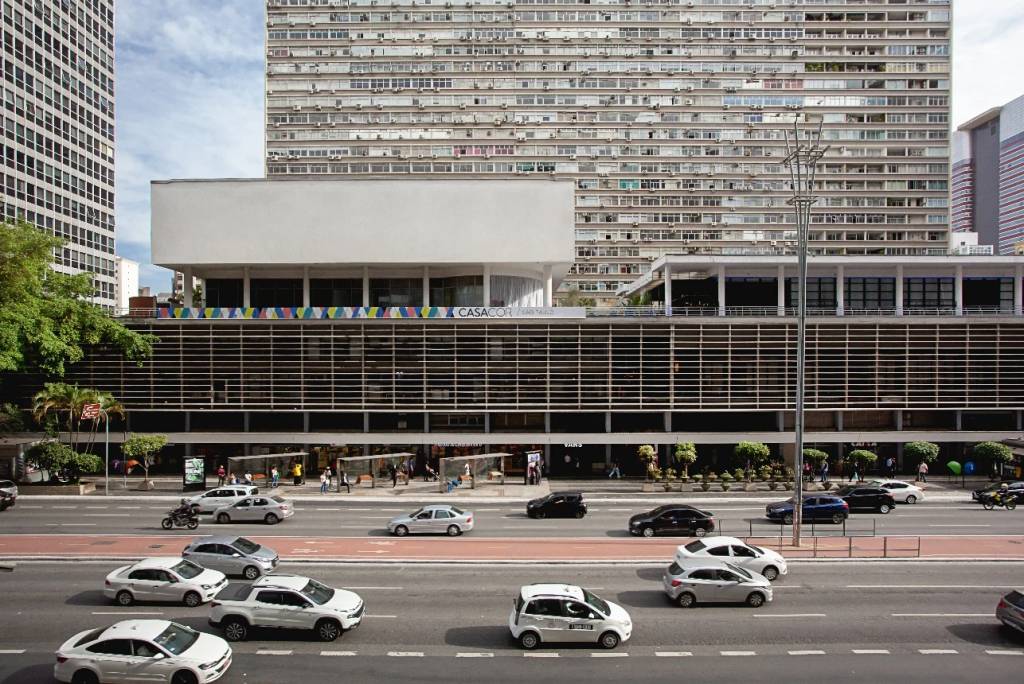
[[803, 152]]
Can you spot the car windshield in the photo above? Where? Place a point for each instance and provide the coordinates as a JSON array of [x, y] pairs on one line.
[[317, 593], [187, 570], [415, 513], [757, 549], [277, 499], [457, 511], [740, 571], [90, 636], [594, 601], [695, 546], [246, 546], [675, 568], [177, 638], [844, 490]]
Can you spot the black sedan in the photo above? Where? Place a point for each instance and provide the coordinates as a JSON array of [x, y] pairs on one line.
[[1014, 488], [672, 519], [557, 505], [867, 498]]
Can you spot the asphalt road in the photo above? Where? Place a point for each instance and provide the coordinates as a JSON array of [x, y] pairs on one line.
[[605, 519], [854, 622]]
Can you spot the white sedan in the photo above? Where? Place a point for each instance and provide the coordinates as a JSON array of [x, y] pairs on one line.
[[262, 508], [172, 580], [902, 492], [736, 551], [142, 651]]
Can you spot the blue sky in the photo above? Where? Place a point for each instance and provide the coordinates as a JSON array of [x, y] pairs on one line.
[[190, 94]]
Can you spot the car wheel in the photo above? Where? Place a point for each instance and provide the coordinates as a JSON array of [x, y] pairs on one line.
[[167, 523], [609, 640], [837, 518], [580, 514], [911, 499], [771, 573], [647, 532], [787, 519], [183, 677], [454, 531], [328, 630], [884, 508], [401, 531], [85, 677], [251, 572], [235, 629], [125, 598], [700, 531], [192, 599], [529, 640], [223, 518], [686, 600], [539, 515], [271, 519], [755, 600]]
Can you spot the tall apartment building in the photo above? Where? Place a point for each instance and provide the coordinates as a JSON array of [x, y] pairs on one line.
[[127, 274], [669, 114], [58, 128], [988, 177]]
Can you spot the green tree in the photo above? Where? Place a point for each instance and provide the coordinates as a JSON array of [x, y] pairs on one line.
[[915, 452], [56, 458], [864, 458], [46, 317], [64, 403], [686, 455], [754, 453], [144, 448], [648, 457], [815, 457], [11, 419], [574, 298], [995, 452]]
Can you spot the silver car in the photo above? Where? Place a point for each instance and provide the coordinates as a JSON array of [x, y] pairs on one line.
[[1010, 610], [564, 613], [210, 501], [232, 555], [712, 581], [163, 579], [8, 494], [438, 519], [268, 509]]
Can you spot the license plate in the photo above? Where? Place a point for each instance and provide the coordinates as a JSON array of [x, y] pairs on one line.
[[589, 627]]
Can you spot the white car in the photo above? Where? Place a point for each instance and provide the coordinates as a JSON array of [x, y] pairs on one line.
[[736, 551], [172, 580], [142, 651], [287, 602], [261, 508], [210, 501], [902, 492], [565, 613]]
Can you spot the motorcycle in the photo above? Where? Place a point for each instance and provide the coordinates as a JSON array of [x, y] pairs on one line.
[[1007, 501], [180, 517]]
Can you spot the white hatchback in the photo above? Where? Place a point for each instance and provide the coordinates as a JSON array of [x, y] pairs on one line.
[[172, 580], [142, 651], [210, 501], [757, 559], [902, 492], [565, 613]]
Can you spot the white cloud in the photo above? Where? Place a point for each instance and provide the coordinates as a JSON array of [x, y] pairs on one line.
[[988, 55]]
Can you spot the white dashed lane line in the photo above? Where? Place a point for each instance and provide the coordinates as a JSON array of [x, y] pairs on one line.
[[337, 653], [738, 653], [1005, 653], [609, 655], [12, 651], [805, 653], [672, 654], [268, 652], [942, 615], [405, 654], [870, 651], [937, 651], [540, 655], [474, 655]]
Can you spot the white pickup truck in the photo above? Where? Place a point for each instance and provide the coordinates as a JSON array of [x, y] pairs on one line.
[[285, 602]]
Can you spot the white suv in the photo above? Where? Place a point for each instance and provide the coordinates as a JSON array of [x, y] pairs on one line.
[[210, 501], [561, 613], [287, 602]]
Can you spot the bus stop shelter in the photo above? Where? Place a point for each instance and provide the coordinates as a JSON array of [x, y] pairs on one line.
[[262, 463], [372, 464], [474, 467]]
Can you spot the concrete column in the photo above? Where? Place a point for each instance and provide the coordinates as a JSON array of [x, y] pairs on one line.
[[780, 421], [1018, 291], [305, 286], [840, 290], [1020, 420], [839, 421], [366, 421], [899, 420], [487, 285], [547, 447], [188, 428], [958, 291], [780, 290], [426, 286], [186, 280], [899, 290], [305, 421], [246, 288], [487, 423], [608, 430], [721, 289], [959, 421], [366, 286], [426, 421], [547, 285], [668, 289]]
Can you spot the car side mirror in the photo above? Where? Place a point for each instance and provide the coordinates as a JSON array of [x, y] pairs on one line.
[[158, 656], [591, 616], [236, 555]]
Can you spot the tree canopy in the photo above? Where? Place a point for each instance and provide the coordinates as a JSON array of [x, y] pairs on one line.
[[921, 451], [45, 316]]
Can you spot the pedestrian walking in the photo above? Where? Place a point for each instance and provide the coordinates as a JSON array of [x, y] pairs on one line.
[[221, 473], [343, 480], [297, 474], [540, 471], [824, 472], [808, 474], [323, 481], [233, 479], [330, 477], [393, 471], [890, 467], [248, 478], [922, 472], [854, 473], [275, 477], [615, 471]]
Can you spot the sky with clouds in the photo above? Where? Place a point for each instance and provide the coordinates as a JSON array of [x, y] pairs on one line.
[[190, 94]]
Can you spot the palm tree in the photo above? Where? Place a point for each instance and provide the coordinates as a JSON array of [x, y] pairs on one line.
[[108, 406], [66, 402]]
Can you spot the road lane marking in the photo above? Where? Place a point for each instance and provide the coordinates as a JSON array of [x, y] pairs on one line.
[[1007, 653], [540, 655], [104, 515], [337, 653], [805, 653], [959, 526], [12, 651], [127, 508], [381, 616], [376, 588], [405, 654], [474, 655], [738, 653], [937, 651], [326, 509], [129, 612], [268, 652], [927, 586], [673, 654], [789, 615], [609, 655], [375, 517], [871, 651], [71, 524], [942, 615]]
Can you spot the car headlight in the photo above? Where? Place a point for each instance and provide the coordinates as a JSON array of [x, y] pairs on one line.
[[209, 666]]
